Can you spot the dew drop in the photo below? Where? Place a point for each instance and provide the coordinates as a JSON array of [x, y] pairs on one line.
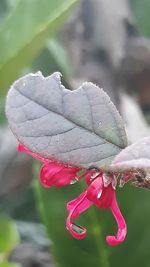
[[99, 194], [77, 228], [74, 181]]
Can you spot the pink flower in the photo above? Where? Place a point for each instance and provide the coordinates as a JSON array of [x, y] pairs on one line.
[[100, 191], [54, 173], [103, 196]]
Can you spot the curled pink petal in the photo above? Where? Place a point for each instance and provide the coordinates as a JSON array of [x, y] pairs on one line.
[[122, 228], [81, 208], [80, 205], [104, 197]]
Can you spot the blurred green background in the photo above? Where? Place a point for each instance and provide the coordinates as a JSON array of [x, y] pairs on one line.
[[48, 35]]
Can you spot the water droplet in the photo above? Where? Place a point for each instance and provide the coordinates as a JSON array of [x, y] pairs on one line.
[[74, 181], [77, 228], [99, 194]]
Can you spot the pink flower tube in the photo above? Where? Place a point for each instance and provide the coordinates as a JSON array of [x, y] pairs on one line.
[[54, 173], [102, 197]]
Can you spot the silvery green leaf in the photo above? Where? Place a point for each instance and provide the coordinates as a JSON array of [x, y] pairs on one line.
[[134, 164], [80, 127], [133, 157]]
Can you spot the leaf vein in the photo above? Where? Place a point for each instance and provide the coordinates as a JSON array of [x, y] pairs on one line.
[[38, 103]]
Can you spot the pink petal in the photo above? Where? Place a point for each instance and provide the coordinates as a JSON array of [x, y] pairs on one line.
[[80, 205], [95, 187], [63, 178], [57, 174], [24, 149], [106, 198], [47, 172], [95, 190], [79, 209], [91, 175], [53, 172], [122, 228], [101, 196]]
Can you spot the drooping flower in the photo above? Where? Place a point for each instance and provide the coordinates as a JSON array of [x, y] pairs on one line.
[[103, 196], [54, 173], [100, 192]]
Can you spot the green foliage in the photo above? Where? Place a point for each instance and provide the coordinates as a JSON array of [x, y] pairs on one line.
[[2, 110], [9, 236], [60, 56], [135, 251], [92, 251], [3, 9], [141, 11], [26, 30], [53, 58], [8, 264]]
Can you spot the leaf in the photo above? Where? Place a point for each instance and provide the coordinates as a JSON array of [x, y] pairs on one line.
[[134, 164], [141, 11], [91, 251], [3, 9], [80, 127], [9, 236], [53, 57], [135, 207], [60, 56], [27, 29], [135, 156], [2, 112], [9, 264]]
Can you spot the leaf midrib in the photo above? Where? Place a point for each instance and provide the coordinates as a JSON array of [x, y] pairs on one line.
[[59, 114]]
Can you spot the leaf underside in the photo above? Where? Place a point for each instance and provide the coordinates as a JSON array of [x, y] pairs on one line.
[[80, 127], [135, 156]]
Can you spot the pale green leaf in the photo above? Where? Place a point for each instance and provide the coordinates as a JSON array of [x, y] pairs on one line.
[[141, 10], [9, 236], [25, 32], [9, 264], [80, 127]]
